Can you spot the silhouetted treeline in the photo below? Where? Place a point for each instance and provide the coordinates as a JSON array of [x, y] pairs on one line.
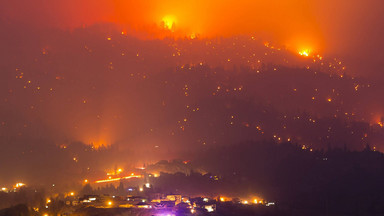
[[27, 196], [333, 181], [18, 210], [336, 181]]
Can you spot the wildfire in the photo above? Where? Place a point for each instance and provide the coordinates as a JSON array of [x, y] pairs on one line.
[[378, 120], [169, 22], [19, 185], [305, 52], [118, 179]]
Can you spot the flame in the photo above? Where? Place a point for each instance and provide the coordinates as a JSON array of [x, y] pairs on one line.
[[101, 140], [18, 185], [118, 179], [378, 120], [305, 52], [169, 22], [99, 143]]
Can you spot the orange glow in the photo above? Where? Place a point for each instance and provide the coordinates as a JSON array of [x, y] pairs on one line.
[[118, 179], [169, 22], [378, 120], [291, 22], [100, 135], [98, 140], [115, 172], [225, 199], [18, 185], [305, 52], [99, 144]]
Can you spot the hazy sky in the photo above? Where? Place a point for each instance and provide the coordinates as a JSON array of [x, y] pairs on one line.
[[352, 29]]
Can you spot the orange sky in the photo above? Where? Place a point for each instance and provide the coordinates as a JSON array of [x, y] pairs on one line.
[[341, 27], [290, 21]]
